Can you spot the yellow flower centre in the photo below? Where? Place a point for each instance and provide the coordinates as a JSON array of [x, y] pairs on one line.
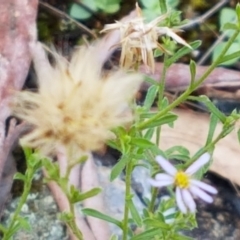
[[182, 180]]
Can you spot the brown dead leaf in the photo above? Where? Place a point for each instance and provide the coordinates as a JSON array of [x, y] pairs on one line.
[[191, 129]]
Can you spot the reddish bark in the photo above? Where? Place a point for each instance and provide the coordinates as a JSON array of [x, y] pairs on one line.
[[18, 29]]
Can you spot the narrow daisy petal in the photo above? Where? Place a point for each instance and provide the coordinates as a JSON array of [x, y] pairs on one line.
[[204, 186], [188, 200], [166, 165], [179, 200], [201, 194], [156, 183], [198, 164], [164, 177]]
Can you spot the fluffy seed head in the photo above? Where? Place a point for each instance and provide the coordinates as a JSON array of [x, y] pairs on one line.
[[76, 105]]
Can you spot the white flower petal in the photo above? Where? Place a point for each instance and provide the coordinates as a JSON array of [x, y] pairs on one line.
[[179, 200], [156, 183], [188, 200], [204, 186], [198, 164], [200, 193], [166, 165], [164, 177]]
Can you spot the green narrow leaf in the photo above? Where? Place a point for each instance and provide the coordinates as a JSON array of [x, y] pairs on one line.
[[113, 145], [167, 119], [151, 95], [193, 72], [27, 152], [156, 223], [19, 176], [141, 142], [230, 52], [164, 103], [134, 212], [212, 127], [118, 167], [183, 51], [238, 12], [94, 213], [149, 134], [76, 196], [148, 234], [211, 107], [150, 80], [233, 56], [24, 224], [180, 149]]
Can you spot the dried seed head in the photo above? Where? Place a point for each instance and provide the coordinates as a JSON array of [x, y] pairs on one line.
[[139, 39]]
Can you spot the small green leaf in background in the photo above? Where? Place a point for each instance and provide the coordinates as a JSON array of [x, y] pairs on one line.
[[94, 213], [78, 12]]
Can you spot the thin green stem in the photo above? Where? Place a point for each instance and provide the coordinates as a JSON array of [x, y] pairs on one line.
[[195, 85], [23, 199], [76, 231], [129, 169], [162, 81]]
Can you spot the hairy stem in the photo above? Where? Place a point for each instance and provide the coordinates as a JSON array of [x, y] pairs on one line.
[[129, 169]]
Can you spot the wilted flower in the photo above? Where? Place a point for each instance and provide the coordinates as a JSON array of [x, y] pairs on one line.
[[76, 105], [186, 186], [138, 39]]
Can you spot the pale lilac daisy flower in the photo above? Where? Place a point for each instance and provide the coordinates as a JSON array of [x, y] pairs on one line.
[[186, 186]]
